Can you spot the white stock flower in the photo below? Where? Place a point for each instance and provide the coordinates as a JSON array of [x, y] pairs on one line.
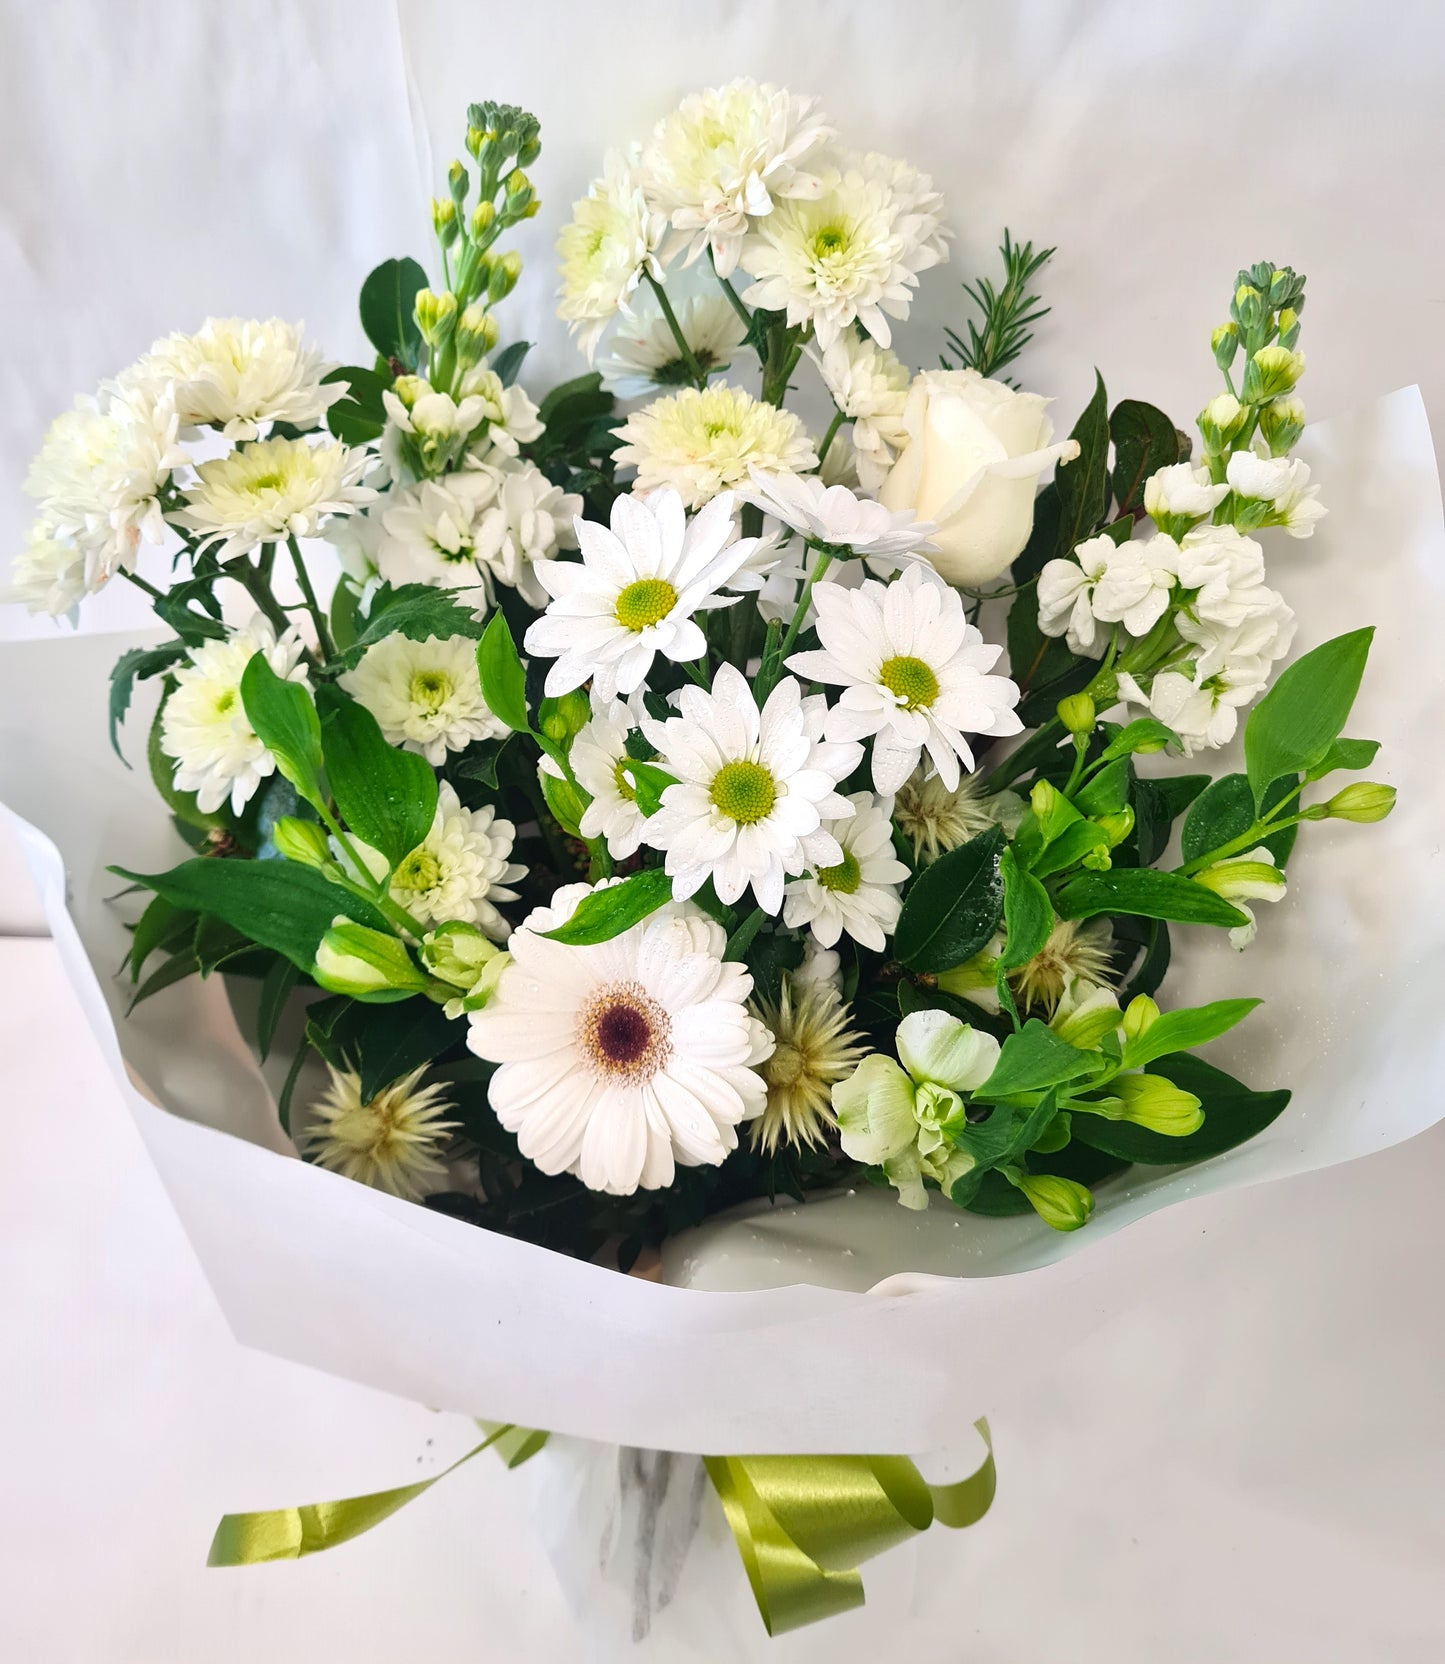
[[429, 532], [271, 489], [204, 725], [1203, 711], [643, 354], [509, 413], [728, 155], [1179, 495], [49, 573], [622, 1061], [1066, 596], [913, 672], [527, 520], [870, 386], [1224, 572], [425, 695], [1283, 484], [1241, 879], [754, 789], [606, 249], [1262, 637], [852, 252], [461, 869], [236, 373], [599, 756], [391, 1141], [634, 592], [1108, 583], [703, 442], [860, 893]]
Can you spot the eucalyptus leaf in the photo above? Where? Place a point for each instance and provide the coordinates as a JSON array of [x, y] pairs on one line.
[[953, 906], [608, 911], [1145, 892], [387, 796], [1292, 728]]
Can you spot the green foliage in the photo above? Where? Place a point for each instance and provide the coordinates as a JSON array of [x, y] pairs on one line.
[[608, 912], [1225, 811], [1183, 1030], [953, 906], [1033, 1060], [388, 315], [1028, 914], [1145, 440], [504, 682], [360, 417], [416, 611], [1292, 728], [386, 796], [1232, 1114], [284, 717], [1083, 484], [137, 665], [1147, 892], [1003, 331]]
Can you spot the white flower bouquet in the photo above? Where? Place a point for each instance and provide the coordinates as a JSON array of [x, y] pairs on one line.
[[681, 816]]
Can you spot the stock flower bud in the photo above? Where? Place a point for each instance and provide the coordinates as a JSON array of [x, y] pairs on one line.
[[458, 183], [518, 184], [1248, 306], [1224, 344], [444, 220], [529, 150], [1272, 370], [476, 334], [1077, 713], [482, 217], [1363, 800], [301, 840], [1062, 1204], [1140, 1015], [436, 315], [1220, 420], [475, 135], [1281, 422], [505, 271], [410, 388], [364, 963]]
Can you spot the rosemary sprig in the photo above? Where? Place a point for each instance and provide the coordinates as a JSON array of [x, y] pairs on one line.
[[1007, 313]]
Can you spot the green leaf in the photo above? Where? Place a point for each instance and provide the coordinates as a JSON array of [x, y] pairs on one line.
[[770, 954], [284, 717], [1145, 440], [276, 987], [360, 416], [1144, 732], [1043, 543], [384, 1042], [1108, 791], [344, 618], [1353, 754], [1232, 1114], [1152, 966], [953, 906], [607, 913], [1292, 728], [508, 362], [504, 681], [649, 782], [130, 668], [416, 611], [1070, 847], [742, 938], [1033, 1060], [1084, 483], [388, 309], [1226, 811], [1028, 914], [170, 971], [1146, 893], [277, 904], [1183, 1030], [1157, 803], [161, 926], [387, 796]]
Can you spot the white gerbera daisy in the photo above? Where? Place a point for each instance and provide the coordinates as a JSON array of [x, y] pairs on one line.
[[425, 695], [461, 869], [622, 1061], [860, 893], [643, 354], [391, 1142], [870, 386], [606, 249], [599, 756], [727, 155], [935, 819], [913, 672], [634, 592], [272, 489], [204, 725], [834, 515], [813, 1049], [703, 442], [236, 373], [754, 789], [430, 532], [527, 520], [48, 574], [853, 252]]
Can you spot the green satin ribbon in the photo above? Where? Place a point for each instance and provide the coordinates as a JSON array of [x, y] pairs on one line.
[[803, 1524]]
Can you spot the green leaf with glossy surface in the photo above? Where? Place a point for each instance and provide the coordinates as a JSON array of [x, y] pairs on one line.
[[1352, 754], [1083, 484], [1225, 811], [1145, 440], [284, 716], [1183, 1030], [388, 309], [1146, 893], [1033, 1060], [1292, 728], [1144, 733], [360, 416], [608, 912], [276, 988], [953, 906], [504, 681], [387, 796], [1028, 914]]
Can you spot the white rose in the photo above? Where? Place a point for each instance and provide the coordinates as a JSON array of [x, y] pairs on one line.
[[974, 454]]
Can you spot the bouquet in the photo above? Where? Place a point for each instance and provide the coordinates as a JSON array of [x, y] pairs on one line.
[[678, 803]]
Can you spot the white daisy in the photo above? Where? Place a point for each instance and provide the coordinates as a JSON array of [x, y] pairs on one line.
[[599, 756], [391, 1141], [606, 249], [624, 1060], [813, 1049], [860, 893], [728, 154], [430, 532], [48, 574], [204, 726], [634, 592], [425, 695], [270, 489], [527, 520], [461, 869], [754, 789], [642, 352], [834, 515], [870, 386], [703, 442], [913, 672]]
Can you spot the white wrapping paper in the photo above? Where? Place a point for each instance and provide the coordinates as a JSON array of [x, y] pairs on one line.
[[850, 1324]]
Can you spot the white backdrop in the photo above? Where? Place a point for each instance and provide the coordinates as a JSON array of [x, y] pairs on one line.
[[1228, 1482]]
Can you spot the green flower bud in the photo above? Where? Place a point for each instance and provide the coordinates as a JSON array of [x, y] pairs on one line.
[[1151, 1101], [364, 963], [475, 135], [301, 840], [1281, 422], [1220, 420], [476, 334], [462, 957], [1364, 801], [1062, 1204], [1249, 307], [529, 150], [1140, 1015], [410, 388], [482, 217], [458, 183], [436, 315], [505, 271], [518, 184], [1224, 344], [1084, 1025], [1272, 370], [1116, 826], [560, 719], [567, 802], [1077, 713], [444, 220]]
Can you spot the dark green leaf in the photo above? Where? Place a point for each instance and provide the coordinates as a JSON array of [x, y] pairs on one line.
[[1232, 1114], [416, 611], [1142, 733], [217, 942], [360, 416], [181, 804], [953, 906], [1108, 791], [130, 668], [1028, 914], [1183, 1030], [388, 309], [175, 969], [608, 912], [387, 796], [276, 987], [1083, 484], [1043, 543], [649, 782], [771, 953], [1292, 728], [508, 362], [384, 1042], [1033, 1060], [1145, 440], [284, 717], [161, 926], [1145, 892], [1070, 847], [1152, 966], [742, 938], [504, 682], [1226, 811], [344, 618]]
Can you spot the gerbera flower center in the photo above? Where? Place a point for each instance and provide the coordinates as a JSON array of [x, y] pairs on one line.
[[844, 878], [624, 1032], [744, 792], [419, 871], [645, 602], [909, 680], [430, 689]]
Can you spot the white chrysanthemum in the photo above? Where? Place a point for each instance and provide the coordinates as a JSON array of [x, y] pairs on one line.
[[99, 475], [527, 520], [204, 725], [606, 249], [48, 574], [870, 386], [461, 869], [913, 672], [860, 893], [634, 592], [511, 417], [643, 354], [272, 489], [813, 1049], [851, 253], [425, 695], [834, 515], [935, 819], [727, 155], [430, 532], [599, 756], [703, 442], [391, 1141], [754, 789], [236, 373], [622, 1061]]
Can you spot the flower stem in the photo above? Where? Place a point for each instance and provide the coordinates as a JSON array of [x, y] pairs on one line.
[[734, 299], [820, 566], [143, 584], [253, 579], [313, 606], [827, 439], [689, 357], [1266, 824]]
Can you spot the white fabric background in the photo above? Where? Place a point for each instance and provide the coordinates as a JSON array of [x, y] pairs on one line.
[[1228, 1481]]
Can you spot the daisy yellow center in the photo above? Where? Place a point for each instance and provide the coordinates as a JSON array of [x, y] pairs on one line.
[[625, 789], [844, 878], [910, 680], [430, 690], [744, 792], [419, 871], [268, 482], [644, 603], [624, 1032]]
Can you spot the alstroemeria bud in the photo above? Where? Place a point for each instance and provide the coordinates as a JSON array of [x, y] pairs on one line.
[[364, 963], [1062, 1204], [559, 719], [1116, 826], [1156, 1103], [436, 315], [1363, 800], [301, 840], [1077, 713], [1140, 1015], [1084, 1025]]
